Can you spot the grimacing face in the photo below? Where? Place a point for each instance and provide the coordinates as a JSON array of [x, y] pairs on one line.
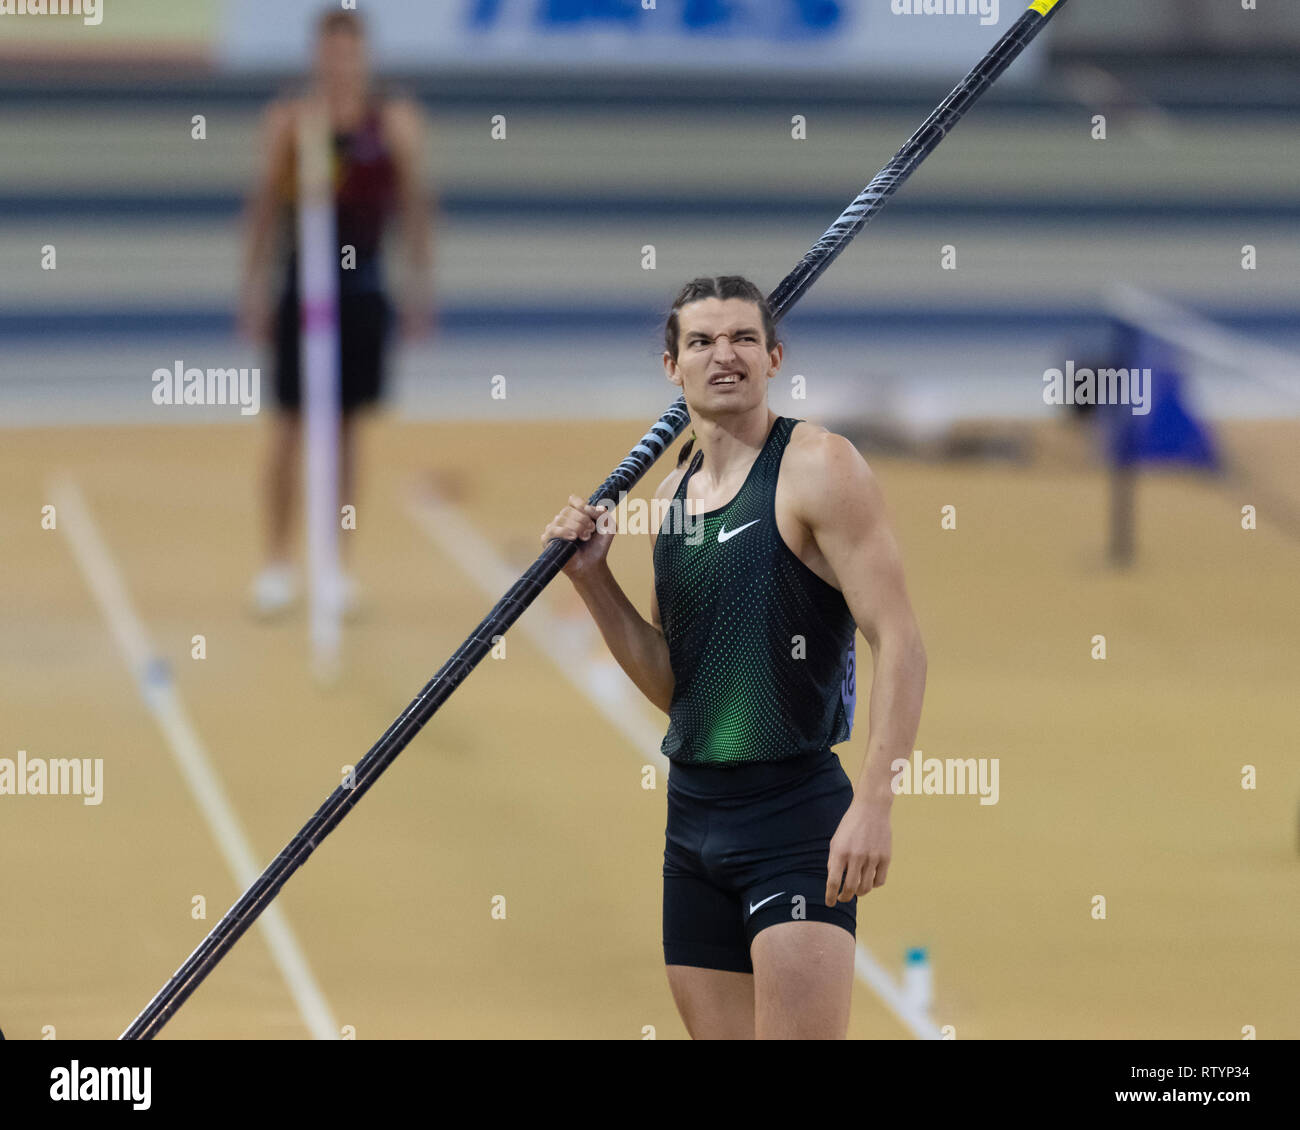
[[722, 363]]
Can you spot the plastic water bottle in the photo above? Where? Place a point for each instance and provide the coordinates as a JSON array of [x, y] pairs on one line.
[[918, 983]]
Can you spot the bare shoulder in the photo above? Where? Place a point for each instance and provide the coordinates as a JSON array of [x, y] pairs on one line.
[[825, 464], [827, 482]]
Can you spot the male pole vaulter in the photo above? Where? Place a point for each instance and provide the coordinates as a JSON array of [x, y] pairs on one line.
[[749, 650]]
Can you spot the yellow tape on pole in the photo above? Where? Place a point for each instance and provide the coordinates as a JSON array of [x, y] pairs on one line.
[[1042, 7]]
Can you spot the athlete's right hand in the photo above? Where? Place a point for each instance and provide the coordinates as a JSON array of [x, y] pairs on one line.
[[577, 522]]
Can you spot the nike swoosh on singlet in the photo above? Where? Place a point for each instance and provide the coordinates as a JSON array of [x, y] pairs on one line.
[[726, 535], [753, 906]]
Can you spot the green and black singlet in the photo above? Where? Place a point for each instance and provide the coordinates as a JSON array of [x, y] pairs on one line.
[[761, 647]]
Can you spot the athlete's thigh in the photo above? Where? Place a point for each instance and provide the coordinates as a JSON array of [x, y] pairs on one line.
[[706, 954], [715, 1004], [706, 950], [803, 981]]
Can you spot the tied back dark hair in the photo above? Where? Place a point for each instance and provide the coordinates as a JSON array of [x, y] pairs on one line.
[[720, 286]]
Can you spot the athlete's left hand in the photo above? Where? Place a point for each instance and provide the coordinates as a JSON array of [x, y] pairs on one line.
[[860, 852]]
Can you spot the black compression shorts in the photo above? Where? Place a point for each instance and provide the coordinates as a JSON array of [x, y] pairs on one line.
[[364, 321], [745, 848]]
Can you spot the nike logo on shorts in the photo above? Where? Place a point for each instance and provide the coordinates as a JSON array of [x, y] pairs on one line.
[[753, 906], [726, 535]]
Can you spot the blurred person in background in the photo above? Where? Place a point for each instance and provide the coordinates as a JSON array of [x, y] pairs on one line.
[[377, 176]]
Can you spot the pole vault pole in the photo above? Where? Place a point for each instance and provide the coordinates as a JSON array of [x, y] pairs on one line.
[[524, 591]]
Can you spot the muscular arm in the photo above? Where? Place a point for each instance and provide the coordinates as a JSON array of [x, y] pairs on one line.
[[841, 504], [638, 645]]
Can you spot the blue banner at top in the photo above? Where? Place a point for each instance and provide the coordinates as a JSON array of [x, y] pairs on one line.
[[872, 39], [774, 19]]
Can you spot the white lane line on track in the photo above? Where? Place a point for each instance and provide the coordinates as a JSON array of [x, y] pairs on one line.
[[150, 673]]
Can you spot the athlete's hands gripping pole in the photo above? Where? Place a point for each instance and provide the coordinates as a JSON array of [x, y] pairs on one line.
[[582, 522]]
